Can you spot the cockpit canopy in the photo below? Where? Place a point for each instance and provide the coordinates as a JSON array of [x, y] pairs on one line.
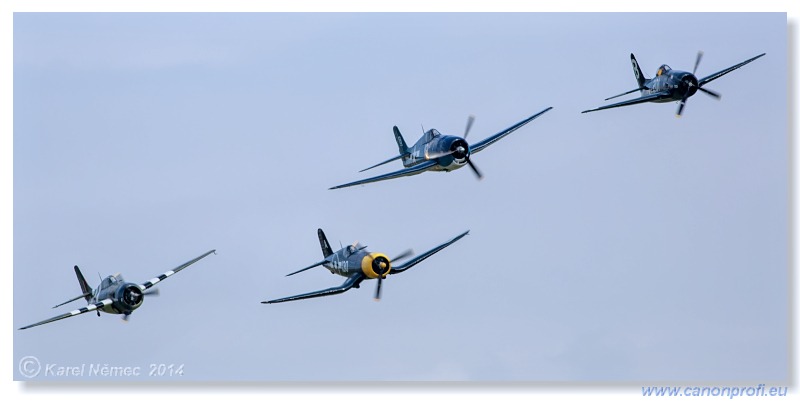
[[430, 134], [108, 281], [663, 70]]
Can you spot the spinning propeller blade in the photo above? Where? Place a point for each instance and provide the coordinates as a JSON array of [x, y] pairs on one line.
[[711, 93], [682, 103], [470, 119], [680, 107], [404, 255], [697, 61], [474, 169], [700, 86], [378, 289], [384, 268]]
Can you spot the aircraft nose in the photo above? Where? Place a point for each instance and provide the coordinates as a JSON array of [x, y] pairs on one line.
[[460, 149], [689, 84]]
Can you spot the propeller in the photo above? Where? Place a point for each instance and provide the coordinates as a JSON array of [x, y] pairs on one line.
[[152, 292], [697, 61], [474, 169], [693, 83], [711, 93], [689, 82], [681, 105], [470, 119], [382, 266], [404, 255]]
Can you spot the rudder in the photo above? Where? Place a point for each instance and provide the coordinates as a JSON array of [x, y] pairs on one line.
[[85, 288], [323, 243], [401, 144], [637, 72]]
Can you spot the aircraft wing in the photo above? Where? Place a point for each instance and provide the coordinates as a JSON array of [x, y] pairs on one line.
[[411, 263], [416, 169], [156, 280], [351, 282], [88, 308], [474, 148], [706, 80], [646, 98]]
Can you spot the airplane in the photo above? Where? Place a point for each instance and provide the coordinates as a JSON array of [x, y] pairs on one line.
[[114, 295], [670, 85], [437, 152], [358, 264]]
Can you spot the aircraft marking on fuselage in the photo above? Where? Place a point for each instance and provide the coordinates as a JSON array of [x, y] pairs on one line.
[[339, 264]]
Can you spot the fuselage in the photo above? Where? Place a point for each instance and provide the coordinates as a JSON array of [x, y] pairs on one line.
[[126, 296], [678, 83], [355, 259], [449, 152]]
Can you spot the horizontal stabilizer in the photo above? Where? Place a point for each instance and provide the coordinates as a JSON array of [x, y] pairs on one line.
[[384, 162], [646, 98], [89, 308], [87, 295], [624, 93], [306, 268], [416, 169]]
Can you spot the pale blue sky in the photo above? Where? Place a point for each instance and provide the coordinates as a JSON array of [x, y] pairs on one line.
[[623, 245]]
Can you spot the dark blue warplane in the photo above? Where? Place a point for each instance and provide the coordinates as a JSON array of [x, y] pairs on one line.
[[670, 85], [438, 152]]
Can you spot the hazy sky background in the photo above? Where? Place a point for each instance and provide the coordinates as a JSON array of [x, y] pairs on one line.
[[622, 245]]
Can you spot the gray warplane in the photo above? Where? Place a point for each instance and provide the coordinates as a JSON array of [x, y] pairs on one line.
[[437, 152], [358, 264], [114, 295], [670, 85]]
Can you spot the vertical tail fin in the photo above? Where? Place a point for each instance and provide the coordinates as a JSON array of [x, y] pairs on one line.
[[637, 71], [401, 144], [85, 289], [323, 243]]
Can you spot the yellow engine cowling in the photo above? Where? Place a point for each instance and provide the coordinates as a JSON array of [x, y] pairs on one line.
[[371, 264]]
